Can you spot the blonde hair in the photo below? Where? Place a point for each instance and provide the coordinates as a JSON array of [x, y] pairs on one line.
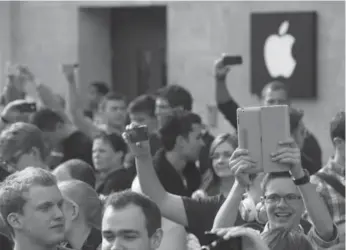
[[86, 198]]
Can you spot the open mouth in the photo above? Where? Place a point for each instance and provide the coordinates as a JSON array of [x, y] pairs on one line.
[[283, 215]]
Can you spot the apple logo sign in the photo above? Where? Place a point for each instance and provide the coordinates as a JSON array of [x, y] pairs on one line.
[[278, 53]]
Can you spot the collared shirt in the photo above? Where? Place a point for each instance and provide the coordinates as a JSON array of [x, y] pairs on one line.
[[334, 201], [317, 242]]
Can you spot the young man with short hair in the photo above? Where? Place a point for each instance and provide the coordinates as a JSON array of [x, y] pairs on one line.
[[286, 195], [175, 97], [31, 205], [60, 134], [181, 139], [131, 221], [274, 93], [21, 145]]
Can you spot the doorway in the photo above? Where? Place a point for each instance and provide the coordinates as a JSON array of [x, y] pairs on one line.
[[138, 40]]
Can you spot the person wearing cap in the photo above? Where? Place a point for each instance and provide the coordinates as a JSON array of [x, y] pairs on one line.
[[274, 93]]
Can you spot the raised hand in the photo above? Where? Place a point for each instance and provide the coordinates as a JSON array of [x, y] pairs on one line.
[[220, 71], [26, 73], [288, 154], [138, 149], [69, 71], [243, 167]]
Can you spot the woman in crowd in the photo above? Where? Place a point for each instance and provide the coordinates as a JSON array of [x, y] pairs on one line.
[[221, 180], [108, 155]]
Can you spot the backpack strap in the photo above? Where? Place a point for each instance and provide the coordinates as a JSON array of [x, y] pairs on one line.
[[333, 182]]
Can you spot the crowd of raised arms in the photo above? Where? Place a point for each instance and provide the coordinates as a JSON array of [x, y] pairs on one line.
[[74, 177]]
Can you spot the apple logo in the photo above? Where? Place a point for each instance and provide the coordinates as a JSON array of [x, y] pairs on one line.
[[278, 53]]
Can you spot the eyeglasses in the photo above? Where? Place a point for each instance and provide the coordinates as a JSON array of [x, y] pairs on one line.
[[275, 198]]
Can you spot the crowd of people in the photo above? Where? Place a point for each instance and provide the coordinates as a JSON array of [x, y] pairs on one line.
[[72, 178]]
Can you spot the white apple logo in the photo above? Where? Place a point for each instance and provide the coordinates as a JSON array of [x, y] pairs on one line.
[[278, 53]]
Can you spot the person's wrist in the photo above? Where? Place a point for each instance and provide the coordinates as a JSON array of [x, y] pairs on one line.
[[220, 77], [240, 187], [297, 172]]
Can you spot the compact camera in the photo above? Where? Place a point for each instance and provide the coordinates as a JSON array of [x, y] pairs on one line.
[[138, 134]]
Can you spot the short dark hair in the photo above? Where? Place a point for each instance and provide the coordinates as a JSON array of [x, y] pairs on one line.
[[274, 86], [337, 126], [150, 210], [112, 96], [101, 87], [115, 141], [296, 115], [12, 189], [79, 170], [21, 137], [46, 119], [271, 176], [179, 123], [177, 96], [143, 104]]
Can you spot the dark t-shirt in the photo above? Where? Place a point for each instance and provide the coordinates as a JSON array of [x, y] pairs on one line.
[[201, 214], [93, 241], [171, 180], [116, 181], [77, 146], [311, 156]]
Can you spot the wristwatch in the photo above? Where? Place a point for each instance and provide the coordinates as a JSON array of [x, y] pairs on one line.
[[303, 180]]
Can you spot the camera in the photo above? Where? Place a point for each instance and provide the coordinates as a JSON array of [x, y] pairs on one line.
[[27, 108], [138, 134], [218, 243]]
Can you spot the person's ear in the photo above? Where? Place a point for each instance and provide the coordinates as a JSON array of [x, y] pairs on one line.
[[15, 220], [156, 238], [74, 208]]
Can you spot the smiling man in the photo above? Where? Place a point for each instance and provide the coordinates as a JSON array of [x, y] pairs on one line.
[[131, 222], [31, 204]]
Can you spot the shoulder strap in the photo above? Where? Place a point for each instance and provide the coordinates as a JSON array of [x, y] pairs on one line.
[[333, 182]]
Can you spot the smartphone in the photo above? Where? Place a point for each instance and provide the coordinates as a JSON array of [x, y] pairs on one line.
[[138, 134], [232, 60], [27, 108], [234, 243], [275, 128], [250, 133]]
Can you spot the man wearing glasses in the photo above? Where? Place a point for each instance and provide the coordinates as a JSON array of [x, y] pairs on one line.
[[286, 195]]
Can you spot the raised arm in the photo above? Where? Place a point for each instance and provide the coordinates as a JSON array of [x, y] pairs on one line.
[[74, 108], [289, 154], [240, 163], [226, 104], [171, 206], [14, 86]]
